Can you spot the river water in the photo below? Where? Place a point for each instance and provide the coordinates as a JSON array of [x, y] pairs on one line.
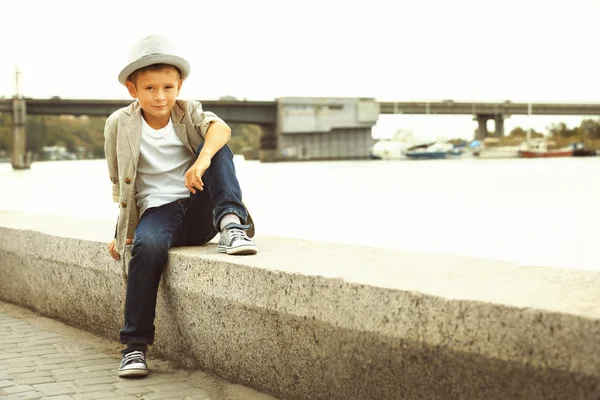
[[534, 212]]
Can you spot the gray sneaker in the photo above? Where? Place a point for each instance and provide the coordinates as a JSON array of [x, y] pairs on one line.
[[235, 241], [133, 365]]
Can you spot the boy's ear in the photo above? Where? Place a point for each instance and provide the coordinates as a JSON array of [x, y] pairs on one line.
[[179, 86], [131, 88]]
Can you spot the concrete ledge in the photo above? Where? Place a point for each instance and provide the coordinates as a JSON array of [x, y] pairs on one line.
[[306, 320]]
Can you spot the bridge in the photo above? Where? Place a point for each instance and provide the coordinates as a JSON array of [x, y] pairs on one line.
[[302, 128], [262, 113], [484, 111], [255, 112], [506, 108], [258, 112]]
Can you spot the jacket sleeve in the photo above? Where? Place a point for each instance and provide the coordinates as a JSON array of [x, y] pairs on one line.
[[202, 119], [110, 151]]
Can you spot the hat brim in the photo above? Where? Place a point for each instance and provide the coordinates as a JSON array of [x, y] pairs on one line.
[[170, 59]]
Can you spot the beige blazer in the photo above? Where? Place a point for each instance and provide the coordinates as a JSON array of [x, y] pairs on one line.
[[122, 134]]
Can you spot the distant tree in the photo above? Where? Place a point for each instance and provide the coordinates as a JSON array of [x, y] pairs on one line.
[[6, 133], [561, 130], [590, 128], [35, 133], [520, 133], [245, 139]]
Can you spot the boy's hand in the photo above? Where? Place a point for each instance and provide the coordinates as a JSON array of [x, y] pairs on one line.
[[113, 251], [193, 177]]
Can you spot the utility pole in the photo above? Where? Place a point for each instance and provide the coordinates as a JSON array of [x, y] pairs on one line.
[[17, 83], [20, 158], [529, 109]]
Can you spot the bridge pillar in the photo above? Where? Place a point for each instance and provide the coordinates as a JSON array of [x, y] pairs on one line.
[[268, 151], [482, 131], [482, 120], [20, 158], [499, 125]]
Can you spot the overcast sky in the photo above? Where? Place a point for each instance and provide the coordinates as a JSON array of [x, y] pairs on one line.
[[520, 50]]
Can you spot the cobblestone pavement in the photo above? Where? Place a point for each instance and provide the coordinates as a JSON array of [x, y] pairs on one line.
[[44, 359]]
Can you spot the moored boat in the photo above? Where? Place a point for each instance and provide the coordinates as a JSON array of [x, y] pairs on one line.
[[540, 148], [491, 148], [579, 150], [432, 151], [394, 147], [546, 153]]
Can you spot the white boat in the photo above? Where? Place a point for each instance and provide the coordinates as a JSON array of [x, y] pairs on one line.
[[436, 150], [500, 152], [394, 148], [489, 149]]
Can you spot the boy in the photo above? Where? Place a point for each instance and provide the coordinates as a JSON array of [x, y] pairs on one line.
[[174, 179]]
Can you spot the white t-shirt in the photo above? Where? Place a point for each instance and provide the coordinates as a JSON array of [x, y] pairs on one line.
[[163, 162]]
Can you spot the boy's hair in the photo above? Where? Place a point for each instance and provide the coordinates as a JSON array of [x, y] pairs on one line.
[[153, 67]]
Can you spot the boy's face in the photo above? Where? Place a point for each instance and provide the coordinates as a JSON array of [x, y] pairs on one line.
[[156, 92]]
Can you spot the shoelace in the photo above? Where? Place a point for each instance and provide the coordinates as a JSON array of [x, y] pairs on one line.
[[134, 356], [236, 234]]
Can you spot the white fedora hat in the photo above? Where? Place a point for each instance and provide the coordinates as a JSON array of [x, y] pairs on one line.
[[150, 50]]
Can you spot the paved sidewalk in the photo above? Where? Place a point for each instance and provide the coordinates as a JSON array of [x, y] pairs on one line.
[[41, 358]]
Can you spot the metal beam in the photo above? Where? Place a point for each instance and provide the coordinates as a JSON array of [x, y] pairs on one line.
[[506, 108], [252, 112], [264, 112]]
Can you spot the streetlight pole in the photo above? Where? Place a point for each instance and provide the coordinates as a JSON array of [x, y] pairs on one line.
[[529, 107]]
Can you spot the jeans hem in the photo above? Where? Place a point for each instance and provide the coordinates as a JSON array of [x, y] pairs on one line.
[[230, 210], [136, 339]]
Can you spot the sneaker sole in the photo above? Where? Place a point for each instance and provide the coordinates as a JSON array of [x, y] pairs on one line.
[[132, 373], [237, 251]]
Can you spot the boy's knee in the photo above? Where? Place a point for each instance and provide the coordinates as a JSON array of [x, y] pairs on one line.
[[155, 246]]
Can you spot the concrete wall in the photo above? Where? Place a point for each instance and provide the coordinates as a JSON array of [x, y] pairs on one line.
[[306, 320], [339, 144], [323, 114], [325, 128]]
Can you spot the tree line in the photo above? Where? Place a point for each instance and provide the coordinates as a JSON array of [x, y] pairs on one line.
[[86, 135], [73, 133], [588, 130]]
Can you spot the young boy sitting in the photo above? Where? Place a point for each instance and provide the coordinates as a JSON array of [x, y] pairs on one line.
[[174, 179]]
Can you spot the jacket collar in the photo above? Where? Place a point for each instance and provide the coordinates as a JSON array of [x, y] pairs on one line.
[[133, 130], [177, 114]]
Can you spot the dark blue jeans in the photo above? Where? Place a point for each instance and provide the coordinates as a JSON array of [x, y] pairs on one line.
[[193, 221]]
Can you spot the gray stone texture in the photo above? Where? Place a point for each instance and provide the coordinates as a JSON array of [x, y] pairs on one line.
[[307, 320]]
